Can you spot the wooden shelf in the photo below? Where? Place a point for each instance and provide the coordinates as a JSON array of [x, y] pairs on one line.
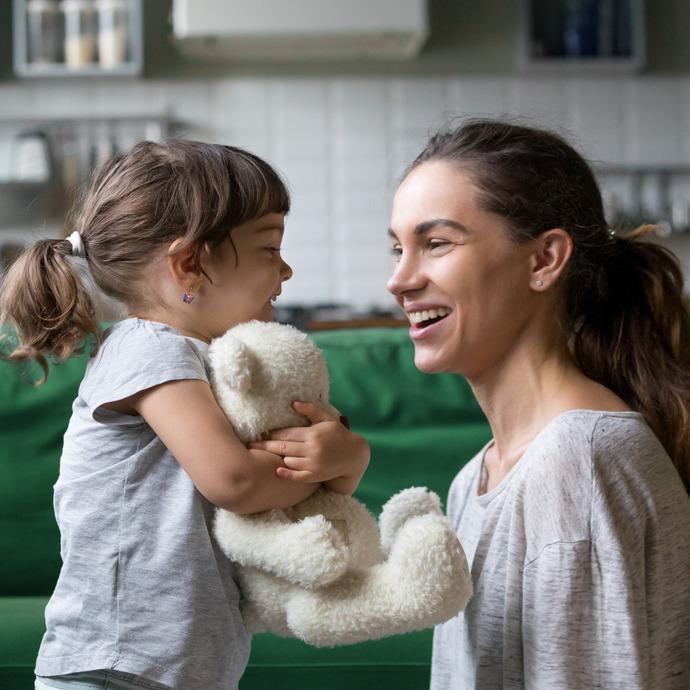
[[383, 322]]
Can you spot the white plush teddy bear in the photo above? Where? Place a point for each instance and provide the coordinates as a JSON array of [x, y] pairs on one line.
[[323, 571]]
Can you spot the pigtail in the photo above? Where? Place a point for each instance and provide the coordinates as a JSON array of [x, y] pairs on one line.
[[631, 333], [45, 299]]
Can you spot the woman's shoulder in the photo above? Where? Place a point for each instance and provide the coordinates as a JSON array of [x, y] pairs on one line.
[[611, 461]]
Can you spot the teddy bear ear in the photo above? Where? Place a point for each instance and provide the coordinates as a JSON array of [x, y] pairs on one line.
[[233, 363]]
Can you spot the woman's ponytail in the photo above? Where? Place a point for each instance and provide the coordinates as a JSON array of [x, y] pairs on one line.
[[631, 333], [45, 299]]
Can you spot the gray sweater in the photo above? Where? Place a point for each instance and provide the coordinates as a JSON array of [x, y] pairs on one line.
[[580, 563]]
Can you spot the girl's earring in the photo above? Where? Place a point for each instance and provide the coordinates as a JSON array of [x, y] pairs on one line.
[[188, 297], [539, 284]]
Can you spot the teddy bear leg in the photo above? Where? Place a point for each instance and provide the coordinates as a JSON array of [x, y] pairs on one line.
[[405, 505], [425, 581], [263, 602]]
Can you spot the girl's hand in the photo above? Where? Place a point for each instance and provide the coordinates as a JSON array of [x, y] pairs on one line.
[[326, 451]]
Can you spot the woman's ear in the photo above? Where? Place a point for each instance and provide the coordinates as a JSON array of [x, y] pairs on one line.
[[183, 265], [553, 249]]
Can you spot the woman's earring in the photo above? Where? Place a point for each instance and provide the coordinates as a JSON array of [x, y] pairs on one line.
[[539, 284], [188, 297]]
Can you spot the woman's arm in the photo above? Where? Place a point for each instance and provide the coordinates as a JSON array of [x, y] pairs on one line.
[[187, 418]]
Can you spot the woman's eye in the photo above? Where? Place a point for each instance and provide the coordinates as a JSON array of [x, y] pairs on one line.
[[435, 244], [396, 251]]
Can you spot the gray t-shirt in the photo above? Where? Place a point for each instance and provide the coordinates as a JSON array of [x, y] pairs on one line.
[[580, 562], [144, 588]]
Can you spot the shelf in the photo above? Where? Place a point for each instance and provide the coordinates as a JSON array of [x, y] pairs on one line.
[[581, 37], [23, 67]]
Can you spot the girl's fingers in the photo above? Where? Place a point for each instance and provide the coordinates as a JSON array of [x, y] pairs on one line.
[[296, 475], [284, 448], [313, 413]]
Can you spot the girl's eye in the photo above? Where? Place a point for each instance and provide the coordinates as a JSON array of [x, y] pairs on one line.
[[273, 249]]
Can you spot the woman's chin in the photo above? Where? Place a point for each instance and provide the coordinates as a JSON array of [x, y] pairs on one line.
[[427, 364]]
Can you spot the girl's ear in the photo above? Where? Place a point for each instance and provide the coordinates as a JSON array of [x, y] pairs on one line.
[[183, 265], [553, 249]]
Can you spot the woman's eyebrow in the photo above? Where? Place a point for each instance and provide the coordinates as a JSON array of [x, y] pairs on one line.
[[434, 222], [430, 224]]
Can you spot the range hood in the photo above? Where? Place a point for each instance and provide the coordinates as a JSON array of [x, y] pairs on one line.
[[300, 29]]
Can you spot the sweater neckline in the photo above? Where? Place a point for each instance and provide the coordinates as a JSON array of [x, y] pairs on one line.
[[486, 498]]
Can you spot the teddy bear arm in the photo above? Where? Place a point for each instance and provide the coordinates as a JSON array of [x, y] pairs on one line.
[[308, 553]]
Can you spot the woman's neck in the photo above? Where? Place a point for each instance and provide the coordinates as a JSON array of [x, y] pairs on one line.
[[528, 389]]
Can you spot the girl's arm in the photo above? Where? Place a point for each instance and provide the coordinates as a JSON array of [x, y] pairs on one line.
[[315, 453], [187, 418]]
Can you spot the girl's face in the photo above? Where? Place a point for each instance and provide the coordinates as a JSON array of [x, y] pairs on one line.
[[462, 282], [246, 279]]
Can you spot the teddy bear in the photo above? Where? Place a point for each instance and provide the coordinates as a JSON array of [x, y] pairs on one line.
[[324, 571]]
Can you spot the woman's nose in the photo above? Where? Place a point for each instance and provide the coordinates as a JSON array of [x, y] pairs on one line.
[[406, 276]]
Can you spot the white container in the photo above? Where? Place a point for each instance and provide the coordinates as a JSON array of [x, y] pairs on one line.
[[112, 32], [80, 33], [43, 31]]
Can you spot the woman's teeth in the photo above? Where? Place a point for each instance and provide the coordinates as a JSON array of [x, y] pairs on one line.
[[420, 316]]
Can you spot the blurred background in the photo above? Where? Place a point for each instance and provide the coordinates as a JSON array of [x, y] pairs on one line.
[[340, 96]]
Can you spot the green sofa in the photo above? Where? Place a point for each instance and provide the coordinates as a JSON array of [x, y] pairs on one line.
[[421, 430]]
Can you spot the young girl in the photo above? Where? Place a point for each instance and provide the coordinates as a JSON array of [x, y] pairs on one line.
[[576, 518], [187, 235]]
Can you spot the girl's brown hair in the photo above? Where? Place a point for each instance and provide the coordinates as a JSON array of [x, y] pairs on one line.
[[626, 321], [138, 201]]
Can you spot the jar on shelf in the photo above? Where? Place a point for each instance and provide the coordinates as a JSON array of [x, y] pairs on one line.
[[44, 34], [80, 33], [112, 32]]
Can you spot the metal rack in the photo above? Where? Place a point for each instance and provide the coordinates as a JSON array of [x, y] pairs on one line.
[[23, 67], [636, 194]]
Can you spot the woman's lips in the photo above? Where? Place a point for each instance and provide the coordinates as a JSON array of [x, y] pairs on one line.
[[425, 322]]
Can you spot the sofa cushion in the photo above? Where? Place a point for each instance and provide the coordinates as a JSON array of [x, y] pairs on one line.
[[33, 421], [22, 625]]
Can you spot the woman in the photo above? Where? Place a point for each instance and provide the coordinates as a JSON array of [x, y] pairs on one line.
[[576, 517]]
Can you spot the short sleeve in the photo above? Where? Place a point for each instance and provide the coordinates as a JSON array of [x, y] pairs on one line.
[[137, 355]]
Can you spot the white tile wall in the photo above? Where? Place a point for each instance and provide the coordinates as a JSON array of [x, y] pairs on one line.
[[343, 143]]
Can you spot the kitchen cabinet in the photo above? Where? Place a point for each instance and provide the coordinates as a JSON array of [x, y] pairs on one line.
[[77, 38], [582, 36]]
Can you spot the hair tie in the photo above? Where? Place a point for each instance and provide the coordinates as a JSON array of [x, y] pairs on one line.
[[77, 243]]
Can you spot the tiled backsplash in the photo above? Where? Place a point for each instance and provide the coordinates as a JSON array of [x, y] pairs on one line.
[[343, 143]]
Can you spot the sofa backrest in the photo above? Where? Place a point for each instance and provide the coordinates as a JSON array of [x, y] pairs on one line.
[[33, 421], [421, 430]]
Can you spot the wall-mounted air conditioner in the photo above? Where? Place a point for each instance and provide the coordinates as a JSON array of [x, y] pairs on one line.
[[300, 29]]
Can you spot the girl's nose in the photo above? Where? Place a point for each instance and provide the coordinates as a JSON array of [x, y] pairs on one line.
[[286, 272]]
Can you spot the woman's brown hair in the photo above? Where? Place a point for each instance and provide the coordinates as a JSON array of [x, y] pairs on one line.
[[137, 202], [626, 321]]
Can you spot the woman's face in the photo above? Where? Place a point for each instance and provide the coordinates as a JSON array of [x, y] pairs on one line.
[[463, 283]]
